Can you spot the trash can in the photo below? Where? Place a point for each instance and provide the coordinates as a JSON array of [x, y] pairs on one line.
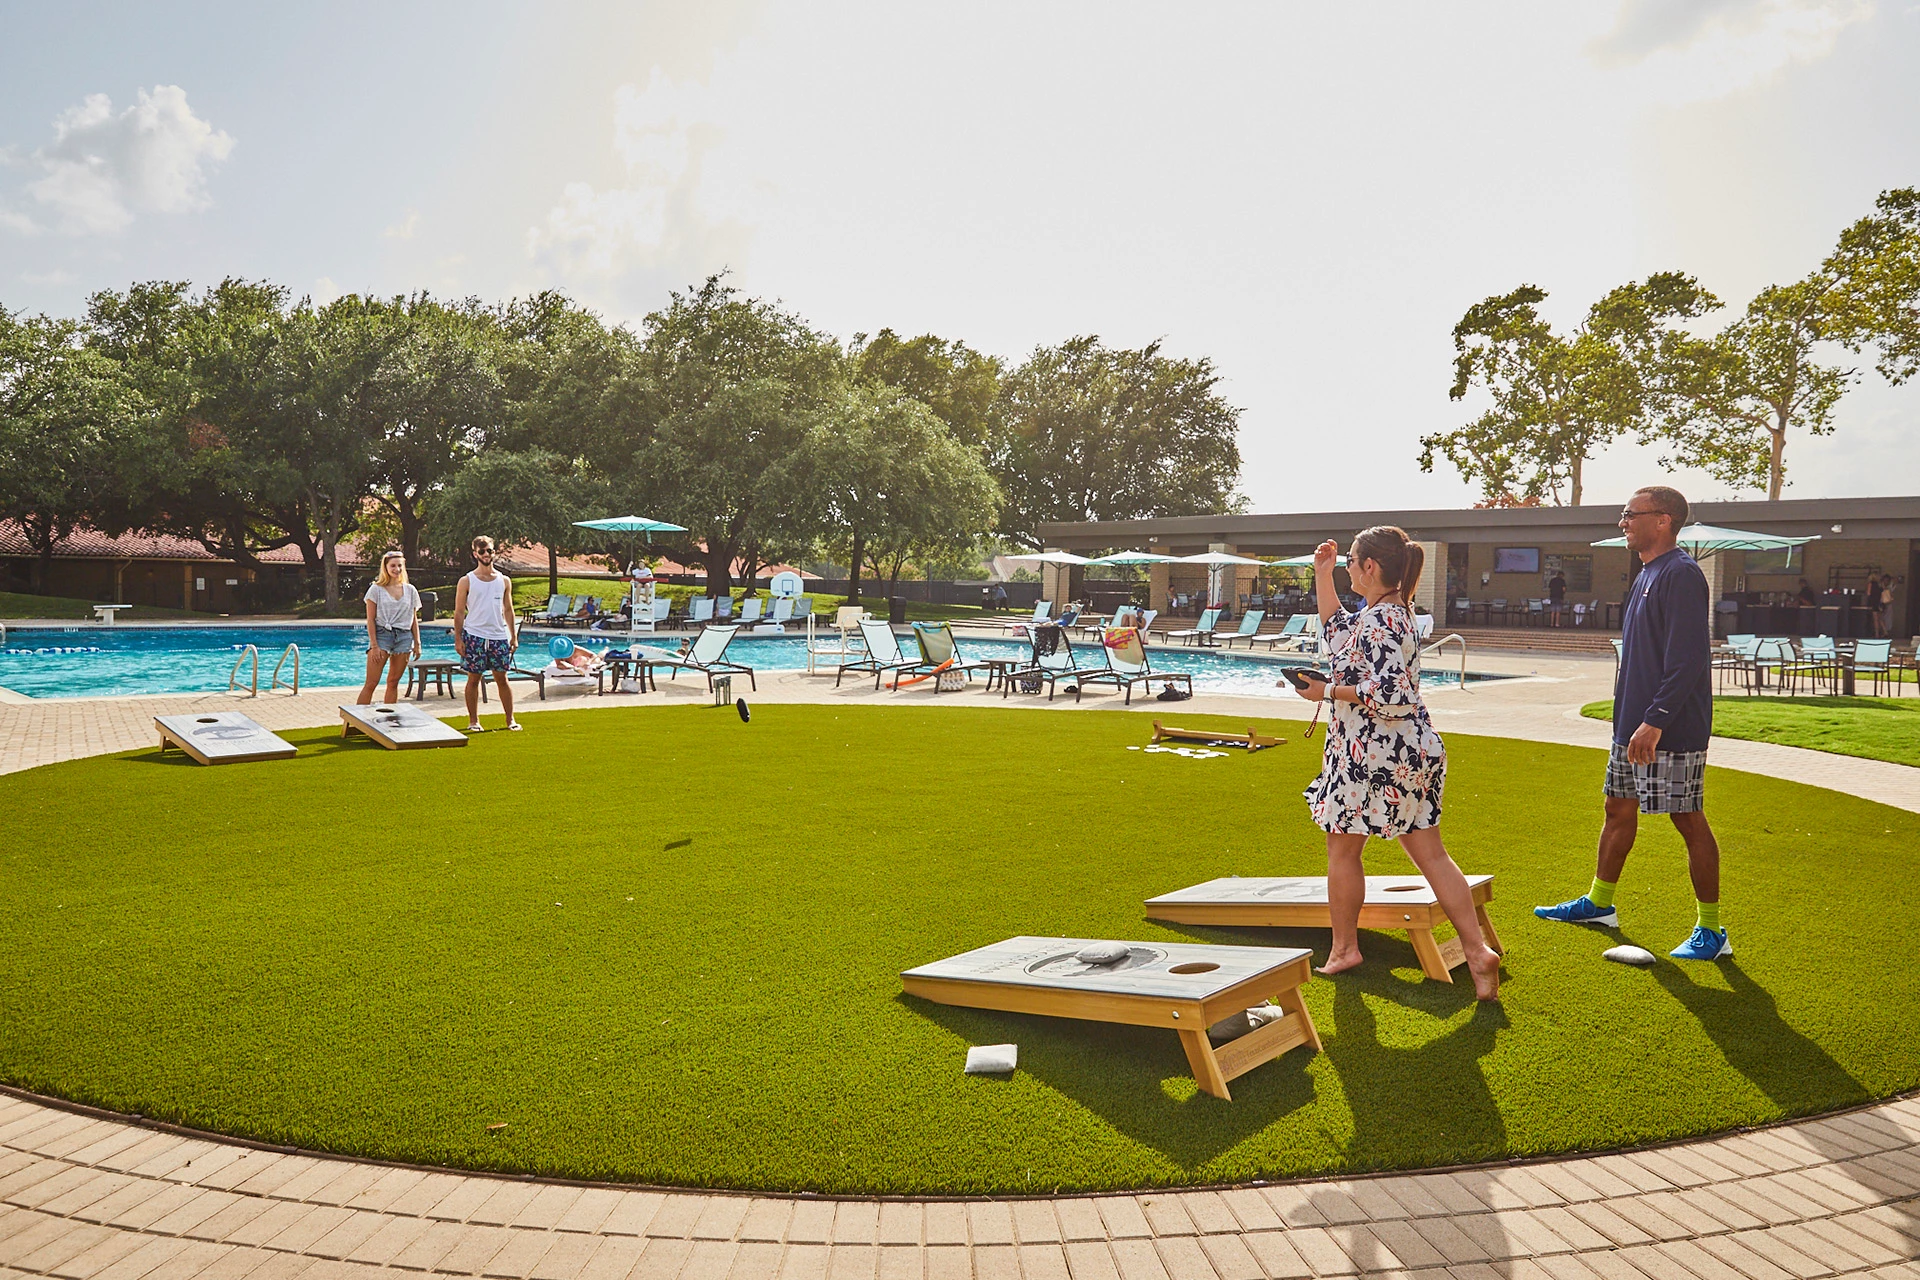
[[896, 611], [429, 605]]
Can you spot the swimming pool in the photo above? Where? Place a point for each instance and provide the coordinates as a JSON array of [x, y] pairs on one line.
[[93, 661]]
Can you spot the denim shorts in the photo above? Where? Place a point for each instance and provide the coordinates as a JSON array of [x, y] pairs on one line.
[[393, 639]]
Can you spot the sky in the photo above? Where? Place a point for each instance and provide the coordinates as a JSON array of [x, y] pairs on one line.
[[1309, 195]]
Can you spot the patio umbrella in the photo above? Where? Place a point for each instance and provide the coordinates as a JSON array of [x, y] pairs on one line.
[[1304, 562], [631, 524], [1053, 557], [1215, 562], [1132, 557], [1703, 540]]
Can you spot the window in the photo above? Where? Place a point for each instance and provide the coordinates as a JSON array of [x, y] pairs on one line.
[[1516, 559]]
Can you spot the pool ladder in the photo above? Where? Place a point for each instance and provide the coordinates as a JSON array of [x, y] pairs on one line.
[[275, 682], [1441, 643]]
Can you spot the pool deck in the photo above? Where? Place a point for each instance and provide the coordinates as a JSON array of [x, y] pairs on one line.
[[90, 1196]]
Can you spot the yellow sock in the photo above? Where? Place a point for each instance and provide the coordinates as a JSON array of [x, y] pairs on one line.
[[1709, 915], [1601, 895]]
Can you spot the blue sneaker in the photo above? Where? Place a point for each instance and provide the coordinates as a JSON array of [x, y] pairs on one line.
[[1705, 944], [1580, 911]]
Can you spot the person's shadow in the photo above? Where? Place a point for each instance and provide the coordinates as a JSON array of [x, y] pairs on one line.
[[1424, 1104], [1745, 1023]]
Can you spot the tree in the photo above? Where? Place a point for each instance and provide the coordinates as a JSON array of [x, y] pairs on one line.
[[1877, 267], [1085, 432], [949, 377], [729, 387], [891, 484], [66, 421], [532, 496], [1556, 401]]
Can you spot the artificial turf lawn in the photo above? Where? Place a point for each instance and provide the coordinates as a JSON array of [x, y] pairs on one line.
[[1872, 728], [663, 945]]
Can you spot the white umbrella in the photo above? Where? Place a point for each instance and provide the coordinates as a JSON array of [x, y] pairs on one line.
[[1305, 562], [1053, 557], [1133, 557], [1703, 540], [1215, 562]]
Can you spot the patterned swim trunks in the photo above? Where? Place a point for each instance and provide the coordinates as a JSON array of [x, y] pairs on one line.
[[1676, 781], [483, 656]]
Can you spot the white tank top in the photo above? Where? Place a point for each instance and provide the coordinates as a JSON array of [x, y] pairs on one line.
[[484, 616]]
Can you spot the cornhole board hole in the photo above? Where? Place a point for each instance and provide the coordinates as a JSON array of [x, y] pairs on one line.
[[1394, 903], [222, 737], [1185, 987], [399, 726]]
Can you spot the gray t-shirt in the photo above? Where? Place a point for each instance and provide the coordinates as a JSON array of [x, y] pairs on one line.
[[391, 612]]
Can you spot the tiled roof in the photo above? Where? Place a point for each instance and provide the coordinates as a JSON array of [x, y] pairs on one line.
[[91, 544]]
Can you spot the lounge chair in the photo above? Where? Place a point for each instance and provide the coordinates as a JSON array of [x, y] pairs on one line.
[[723, 608], [1295, 633], [1040, 614], [707, 655], [750, 610], [803, 608], [939, 651], [782, 612], [1128, 665], [1146, 625], [1200, 632], [555, 612], [1249, 627], [1054, 660], [581, 668], [700, 611], [883, 653]]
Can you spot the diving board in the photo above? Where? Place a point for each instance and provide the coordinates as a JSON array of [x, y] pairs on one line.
[[398, 726], [1184, 987], [1402, 904], [222, 737]]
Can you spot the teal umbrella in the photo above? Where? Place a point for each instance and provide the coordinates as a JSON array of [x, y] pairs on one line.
[[1305, 562], [631, 524], [1703, 540]]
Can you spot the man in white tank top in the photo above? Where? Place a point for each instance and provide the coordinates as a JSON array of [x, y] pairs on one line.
[[485, 632]]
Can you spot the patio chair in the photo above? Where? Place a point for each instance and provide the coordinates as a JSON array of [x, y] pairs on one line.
[[1295, 633], [723, 608], [1772, 654], [939, 651], [750, 609], [699, 611], [581, 669], [782, 612], [803, 608], [1146, 625], [1498, 606], [1874, 659], [1249, 627], [707, 655], [1200, 632], [1463, 610], [1054, 659], [882, 653], [555, 612], [1041, 612], [1536, 615], [1127, 665], [1735, 659], [1818, 660]]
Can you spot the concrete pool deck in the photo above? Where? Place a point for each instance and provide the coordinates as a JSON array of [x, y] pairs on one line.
[[91, 1196]]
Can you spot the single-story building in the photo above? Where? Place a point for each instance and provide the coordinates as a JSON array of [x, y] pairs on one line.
[[1485, 565], [154, 569]]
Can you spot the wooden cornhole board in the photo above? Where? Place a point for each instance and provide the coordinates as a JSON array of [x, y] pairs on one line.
[[1402, 903], [1186, 987], [398, 726], [222, 737]]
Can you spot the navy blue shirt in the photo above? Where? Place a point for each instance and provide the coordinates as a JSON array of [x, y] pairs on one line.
[[1666, 664]]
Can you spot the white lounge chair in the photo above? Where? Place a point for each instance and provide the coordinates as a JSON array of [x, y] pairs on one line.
[[750, 610], [1296, 633], [883, 653], [700, 611], [1249, 627], [708, 655], [1200, 632]]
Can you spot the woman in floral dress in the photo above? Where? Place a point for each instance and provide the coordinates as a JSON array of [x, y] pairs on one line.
[[1385, 766]]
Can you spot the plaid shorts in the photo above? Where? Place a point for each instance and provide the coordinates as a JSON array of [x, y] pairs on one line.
[[482, 656], [1676, 781]]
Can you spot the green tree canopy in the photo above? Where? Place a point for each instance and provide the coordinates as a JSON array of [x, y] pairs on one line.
[[1083, 431], [529, 496], [949, 377]]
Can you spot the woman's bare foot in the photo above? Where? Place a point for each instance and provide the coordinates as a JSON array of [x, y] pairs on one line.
[[1485, 968], [1339, 962]]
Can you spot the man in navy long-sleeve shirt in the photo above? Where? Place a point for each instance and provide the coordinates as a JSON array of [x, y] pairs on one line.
[[1662, 720]]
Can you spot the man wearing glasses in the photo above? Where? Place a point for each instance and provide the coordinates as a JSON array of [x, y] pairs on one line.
[[1662, 718], [484, 632]]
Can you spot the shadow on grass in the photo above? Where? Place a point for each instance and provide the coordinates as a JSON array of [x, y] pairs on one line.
[[1136, 1078], [1745, 1023]]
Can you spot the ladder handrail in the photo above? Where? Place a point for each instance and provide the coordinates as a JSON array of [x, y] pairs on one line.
[[1458, 639], [294, 688], [233, 676]]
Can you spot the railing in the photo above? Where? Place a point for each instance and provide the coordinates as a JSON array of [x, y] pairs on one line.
[[1441, 643], [233, 677], [293, 651]]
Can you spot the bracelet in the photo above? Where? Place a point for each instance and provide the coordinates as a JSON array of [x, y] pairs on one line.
[[1329, 694]]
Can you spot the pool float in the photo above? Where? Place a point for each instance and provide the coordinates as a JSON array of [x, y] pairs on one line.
[[927, 676]]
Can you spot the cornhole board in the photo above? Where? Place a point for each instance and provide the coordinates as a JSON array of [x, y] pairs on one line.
[[398, 726], [222, 737], [1394, 903], [1251, 740], [1185, 987]]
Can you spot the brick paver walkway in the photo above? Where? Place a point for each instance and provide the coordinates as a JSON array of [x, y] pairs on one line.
[[98, 1198]]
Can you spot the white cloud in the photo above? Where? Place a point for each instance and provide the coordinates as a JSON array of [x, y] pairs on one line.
[[104, 167], [669, 212], [326, 292], [1681, 51], [403, 230]]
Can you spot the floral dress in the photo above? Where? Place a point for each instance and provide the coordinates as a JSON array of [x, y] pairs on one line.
[[1385, 765]]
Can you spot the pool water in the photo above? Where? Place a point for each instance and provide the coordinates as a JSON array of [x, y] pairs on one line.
[[94, 661]]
